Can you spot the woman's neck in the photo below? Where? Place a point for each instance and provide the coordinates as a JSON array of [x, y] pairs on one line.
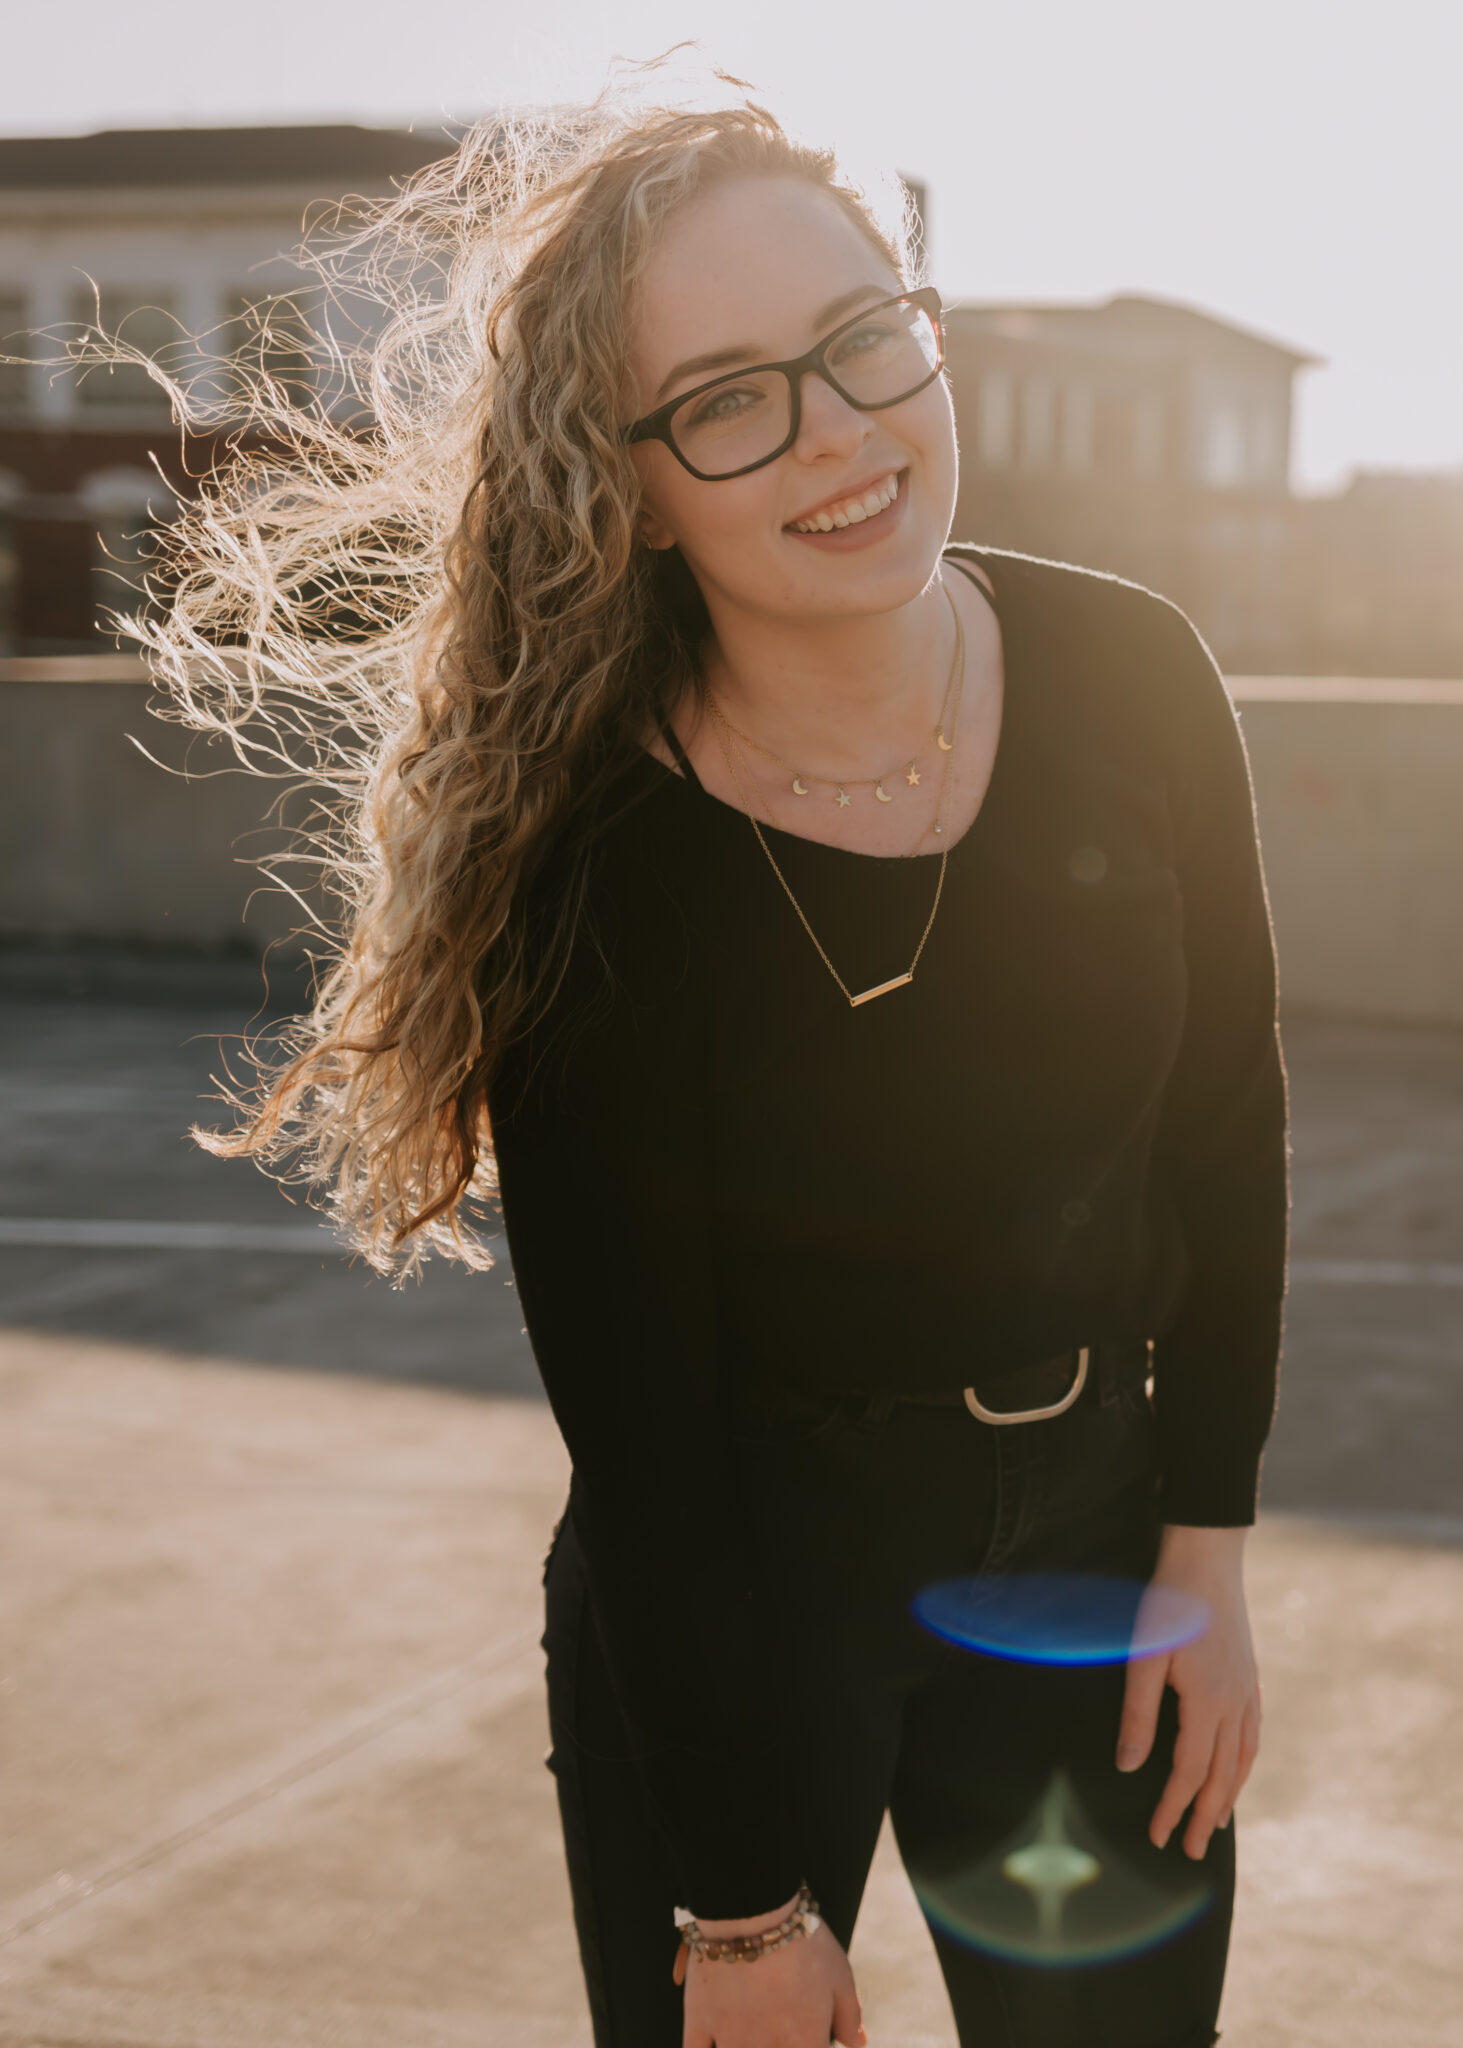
[[828, 695]]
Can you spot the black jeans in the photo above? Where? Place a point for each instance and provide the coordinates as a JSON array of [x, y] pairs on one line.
[[872, 1502]]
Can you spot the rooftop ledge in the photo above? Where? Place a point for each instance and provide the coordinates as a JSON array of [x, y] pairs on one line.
[[1344, 690], [126, 668]]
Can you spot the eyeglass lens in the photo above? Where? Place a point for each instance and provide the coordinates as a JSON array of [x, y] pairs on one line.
[[740, 420]]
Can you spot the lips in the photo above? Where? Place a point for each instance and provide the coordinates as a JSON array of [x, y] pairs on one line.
[[851, 510]]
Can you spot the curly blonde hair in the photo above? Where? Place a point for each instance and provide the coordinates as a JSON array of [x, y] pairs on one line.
[[439, 617]]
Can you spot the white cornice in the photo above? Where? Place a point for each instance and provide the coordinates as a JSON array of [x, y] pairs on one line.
[[92, 205]]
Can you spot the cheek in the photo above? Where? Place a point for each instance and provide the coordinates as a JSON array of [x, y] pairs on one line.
[[930, 430], [716, 524]]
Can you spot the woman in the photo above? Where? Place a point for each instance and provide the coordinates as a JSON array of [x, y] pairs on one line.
[[850, 953]]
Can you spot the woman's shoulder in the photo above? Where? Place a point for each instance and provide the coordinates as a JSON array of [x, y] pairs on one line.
[[648, 821], [1071, 589], [647, 859], [1100, 646]]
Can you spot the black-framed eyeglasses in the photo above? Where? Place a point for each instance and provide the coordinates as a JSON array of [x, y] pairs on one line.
[[737, 423]]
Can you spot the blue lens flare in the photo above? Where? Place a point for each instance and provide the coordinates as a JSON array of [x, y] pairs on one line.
[[1060, 1617]]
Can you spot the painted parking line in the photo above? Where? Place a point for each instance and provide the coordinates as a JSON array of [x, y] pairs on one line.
[[66, 1233], [406, 1724], [129, 1234], [69, 1233]]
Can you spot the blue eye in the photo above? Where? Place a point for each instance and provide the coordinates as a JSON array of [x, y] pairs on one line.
[[724, 406], [864, 341], [727, 403]]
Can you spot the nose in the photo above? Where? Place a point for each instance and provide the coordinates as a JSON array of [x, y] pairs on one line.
[[828, 424]]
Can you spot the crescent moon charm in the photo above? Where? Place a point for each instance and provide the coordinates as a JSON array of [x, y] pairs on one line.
[[945, 746], [799, 787], [880, 794]]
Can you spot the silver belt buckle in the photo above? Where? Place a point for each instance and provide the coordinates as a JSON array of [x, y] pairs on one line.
[[1000, 1416]]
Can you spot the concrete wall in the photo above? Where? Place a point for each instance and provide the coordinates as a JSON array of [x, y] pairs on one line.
[[1359, 786], [97, 843]]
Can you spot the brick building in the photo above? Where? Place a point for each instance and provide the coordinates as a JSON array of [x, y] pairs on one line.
[[170, 235]]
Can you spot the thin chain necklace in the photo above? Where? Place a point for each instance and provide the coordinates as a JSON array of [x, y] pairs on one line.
[[842, 785], [957, 679]]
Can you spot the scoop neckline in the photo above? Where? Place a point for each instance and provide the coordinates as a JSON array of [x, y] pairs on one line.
[[994, 597]]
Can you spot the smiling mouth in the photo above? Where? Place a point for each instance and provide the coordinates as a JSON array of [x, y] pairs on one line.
[[851, 511]]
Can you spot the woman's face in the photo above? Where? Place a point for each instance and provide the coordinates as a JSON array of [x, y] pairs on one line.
[[759, 269]]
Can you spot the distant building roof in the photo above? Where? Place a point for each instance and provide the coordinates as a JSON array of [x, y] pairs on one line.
[[216, 156], [1126, 317]]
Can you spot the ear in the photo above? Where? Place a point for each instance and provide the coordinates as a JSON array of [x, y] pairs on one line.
[[653, 530]]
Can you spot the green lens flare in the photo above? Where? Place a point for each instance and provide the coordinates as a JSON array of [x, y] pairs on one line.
[[1054, 1894]]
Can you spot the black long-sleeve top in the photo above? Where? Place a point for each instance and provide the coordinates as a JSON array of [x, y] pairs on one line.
[[1070, 1127]]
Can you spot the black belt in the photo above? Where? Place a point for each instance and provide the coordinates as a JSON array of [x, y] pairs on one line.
[[1077, 1367], [1035, 1392], [1011, 1399]]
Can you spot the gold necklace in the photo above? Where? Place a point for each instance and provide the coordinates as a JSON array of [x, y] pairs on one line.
[[801, 777], [957, 672]]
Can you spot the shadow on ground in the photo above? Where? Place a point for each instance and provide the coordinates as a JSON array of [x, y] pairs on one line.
[[104, 1064], [272, 1658]]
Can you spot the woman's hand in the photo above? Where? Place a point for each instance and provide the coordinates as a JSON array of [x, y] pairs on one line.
[[1217, 1685], [798, 1996]]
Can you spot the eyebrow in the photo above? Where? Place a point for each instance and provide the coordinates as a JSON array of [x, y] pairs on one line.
[[749, 352]]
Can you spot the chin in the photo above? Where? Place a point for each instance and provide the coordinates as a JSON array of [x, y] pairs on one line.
[[880, 579]]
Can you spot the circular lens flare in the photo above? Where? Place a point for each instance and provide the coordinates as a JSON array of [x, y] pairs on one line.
[[1060, 1617], [1054, 1895]]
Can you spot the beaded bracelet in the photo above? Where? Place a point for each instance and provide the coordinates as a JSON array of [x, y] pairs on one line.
[[745, 1948]]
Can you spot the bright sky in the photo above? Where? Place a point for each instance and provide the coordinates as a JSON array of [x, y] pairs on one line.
[[1295, 165]]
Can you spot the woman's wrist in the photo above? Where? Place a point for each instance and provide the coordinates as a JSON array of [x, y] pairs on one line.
[[756, 1923], [1213, 1551]]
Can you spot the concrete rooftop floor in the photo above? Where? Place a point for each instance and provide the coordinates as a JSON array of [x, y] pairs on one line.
[[270, 1693]]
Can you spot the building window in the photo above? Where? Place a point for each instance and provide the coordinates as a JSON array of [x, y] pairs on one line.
[[125, 507], [1148, 434], [1266, 457], [997, 424], [14, 377], [1222, 457], [271, 337], [143, 320], [1079, 427], [1038, 422]]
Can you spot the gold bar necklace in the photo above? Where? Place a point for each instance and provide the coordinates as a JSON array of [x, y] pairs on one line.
[[882, 990], [957, 671]]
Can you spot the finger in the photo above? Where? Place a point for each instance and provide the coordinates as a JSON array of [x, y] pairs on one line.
[[1249, 1749], [1142, 1698], [1193, 1753], [1216, 1795], [1249, 1745]]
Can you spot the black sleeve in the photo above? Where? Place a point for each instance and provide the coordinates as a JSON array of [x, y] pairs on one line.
[[600, 1161], [1224, 1132]]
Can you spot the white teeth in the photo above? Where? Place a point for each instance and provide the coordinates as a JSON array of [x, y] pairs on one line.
[[851, 511]]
